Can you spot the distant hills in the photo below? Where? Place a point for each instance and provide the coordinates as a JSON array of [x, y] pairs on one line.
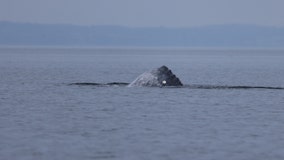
[[207, 36]]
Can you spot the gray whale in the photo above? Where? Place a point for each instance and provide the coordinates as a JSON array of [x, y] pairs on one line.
[[163, 76], [158, 77]]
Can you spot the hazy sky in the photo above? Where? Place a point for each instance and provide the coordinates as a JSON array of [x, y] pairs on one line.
[[167, 13]]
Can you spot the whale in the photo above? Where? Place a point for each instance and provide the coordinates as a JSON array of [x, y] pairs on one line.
[[163, 77], [158, 77]]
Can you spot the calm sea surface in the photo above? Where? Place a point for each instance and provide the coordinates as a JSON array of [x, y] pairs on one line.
[[42, 117]]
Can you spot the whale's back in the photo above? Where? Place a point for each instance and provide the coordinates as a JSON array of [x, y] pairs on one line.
[[159, 77]]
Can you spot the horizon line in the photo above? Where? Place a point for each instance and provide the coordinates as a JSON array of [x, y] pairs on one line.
[[133, 47], [127, 26]]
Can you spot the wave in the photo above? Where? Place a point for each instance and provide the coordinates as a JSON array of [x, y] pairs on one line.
[[100, 84], [229, 87], [194, 86]]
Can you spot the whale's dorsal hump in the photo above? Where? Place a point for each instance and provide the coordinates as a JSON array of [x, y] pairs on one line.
[[158, 77]]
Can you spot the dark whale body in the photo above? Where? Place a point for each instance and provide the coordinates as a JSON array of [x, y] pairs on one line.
[[158, 77], [163, 76]]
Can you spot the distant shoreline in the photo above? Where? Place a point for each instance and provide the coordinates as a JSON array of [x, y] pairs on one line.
[[217, 36], [136, 48]]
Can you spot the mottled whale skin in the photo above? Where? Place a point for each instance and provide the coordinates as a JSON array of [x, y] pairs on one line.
[[158, 77]]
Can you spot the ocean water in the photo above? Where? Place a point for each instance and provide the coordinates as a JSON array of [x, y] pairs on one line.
[[43, 117]]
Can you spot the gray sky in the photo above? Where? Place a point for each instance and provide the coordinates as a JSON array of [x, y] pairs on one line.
[[141, 13]]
